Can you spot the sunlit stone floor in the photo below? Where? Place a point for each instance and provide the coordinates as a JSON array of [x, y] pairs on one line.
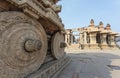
[[93, 64]]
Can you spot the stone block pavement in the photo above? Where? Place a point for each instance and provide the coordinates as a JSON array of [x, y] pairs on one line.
[[93, 64]]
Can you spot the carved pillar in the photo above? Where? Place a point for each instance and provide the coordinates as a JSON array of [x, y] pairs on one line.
[[84, 44], [104, 39], [66, 38], [71, 38], [104, 44], [81, 38], [93, 42], [85, 38], [93, 38], [112, 40]]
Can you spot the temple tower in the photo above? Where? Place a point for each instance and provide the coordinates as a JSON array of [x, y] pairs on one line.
[[91, 23]]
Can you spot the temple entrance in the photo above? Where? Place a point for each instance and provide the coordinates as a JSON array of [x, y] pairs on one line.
[[76, 37]]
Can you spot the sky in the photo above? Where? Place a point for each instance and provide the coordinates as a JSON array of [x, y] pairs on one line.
[[78, 13]]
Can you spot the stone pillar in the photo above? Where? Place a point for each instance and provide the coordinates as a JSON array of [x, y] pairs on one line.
[[104, 39], [84, 44], [85, 38], [81, 42], [81, 38], [68, 36], [112, 40], [104, 44], [93, 38], [93, 42], [71, 38]]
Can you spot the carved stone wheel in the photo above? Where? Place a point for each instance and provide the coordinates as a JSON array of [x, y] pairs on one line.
[[23, 44], [58, 45]]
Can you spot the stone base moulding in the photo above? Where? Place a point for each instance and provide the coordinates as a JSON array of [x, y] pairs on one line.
[[94, 46], [50, 70]]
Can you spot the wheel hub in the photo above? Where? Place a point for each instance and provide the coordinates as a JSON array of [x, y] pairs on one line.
[[32, 45], [63, 45]]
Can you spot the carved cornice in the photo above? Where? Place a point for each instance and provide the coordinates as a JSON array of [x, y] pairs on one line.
[[37, 10]]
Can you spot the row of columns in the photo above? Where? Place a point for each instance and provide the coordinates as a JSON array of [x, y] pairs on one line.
[[90, 39], [69, 38], [93, 36]]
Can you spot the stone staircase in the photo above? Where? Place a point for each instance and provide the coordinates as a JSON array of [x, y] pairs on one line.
[[73, 47]]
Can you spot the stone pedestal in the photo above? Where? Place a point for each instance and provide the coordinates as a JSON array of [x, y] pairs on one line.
[[104, 47], [84, 46], [114, 47], [94, 46]]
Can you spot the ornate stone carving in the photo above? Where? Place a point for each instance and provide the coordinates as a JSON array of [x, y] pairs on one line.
[[16, 52], [28, 39]]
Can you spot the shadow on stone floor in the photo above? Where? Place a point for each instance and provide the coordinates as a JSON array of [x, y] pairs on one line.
[[92, 65]]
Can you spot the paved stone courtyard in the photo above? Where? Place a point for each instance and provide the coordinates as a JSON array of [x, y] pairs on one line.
[[93, 64]]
